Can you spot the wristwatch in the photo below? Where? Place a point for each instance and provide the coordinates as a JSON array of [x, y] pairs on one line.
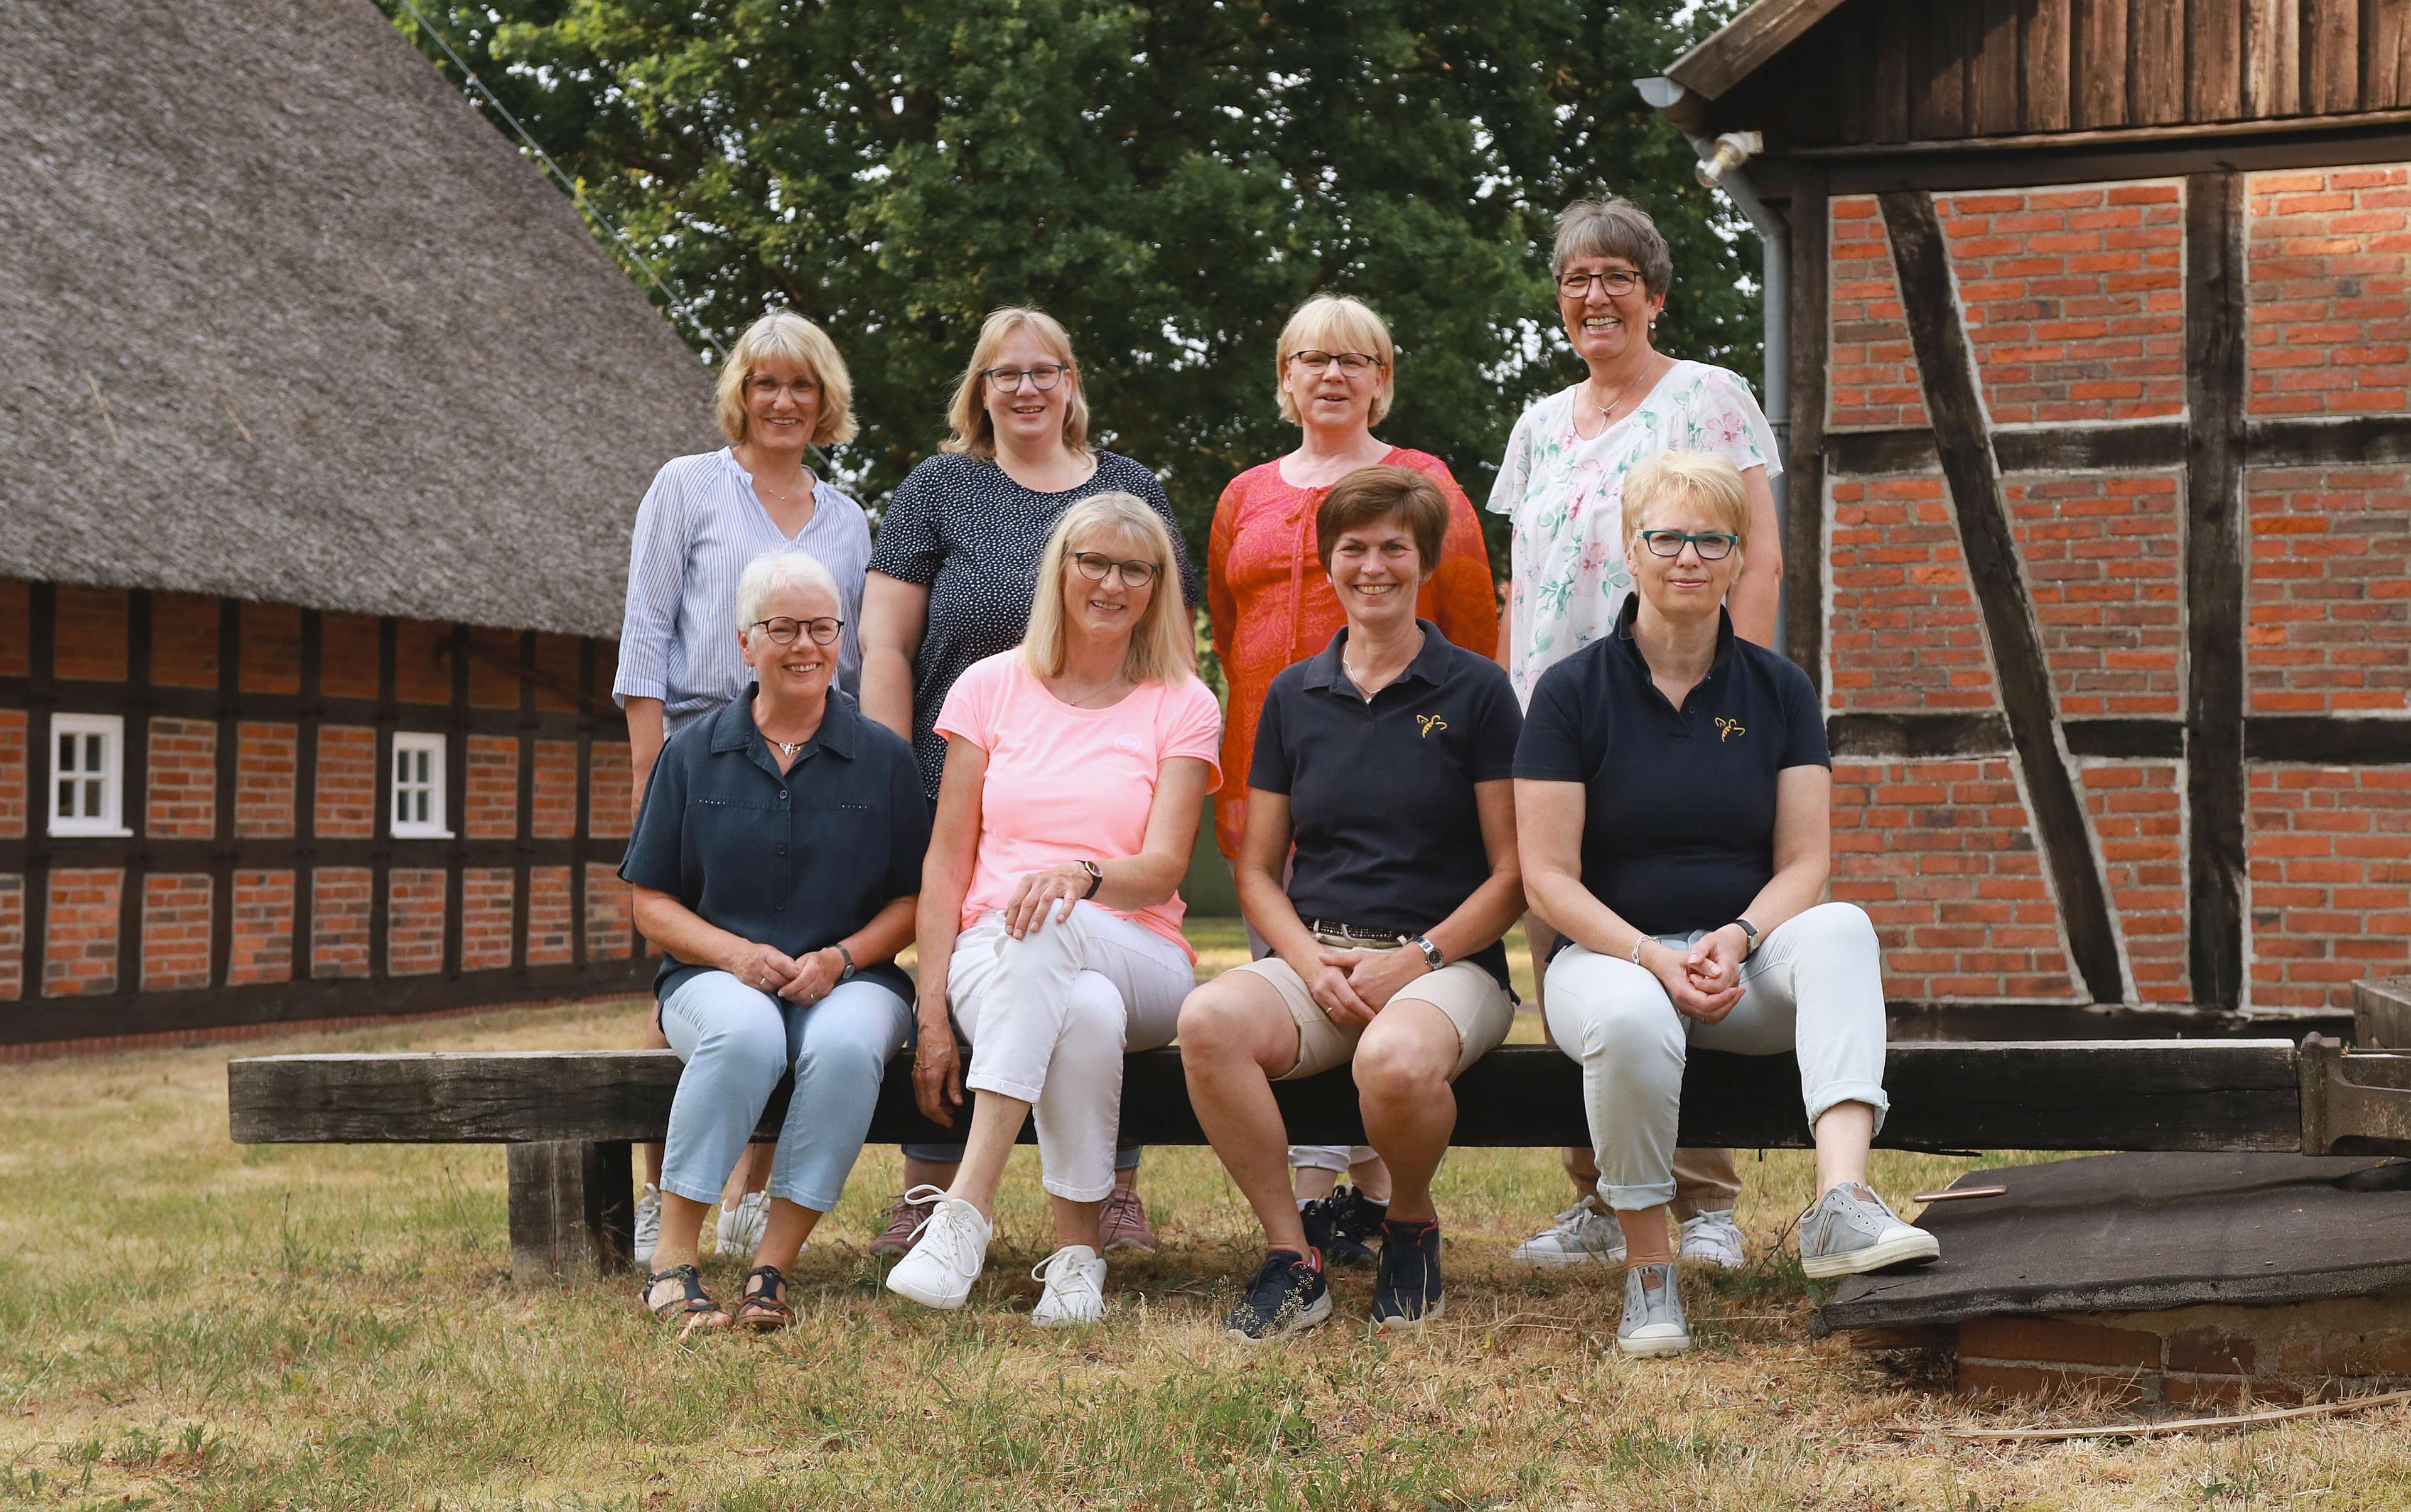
[[1432, 956], [845, 975], [1749, 938], [1096, 879]]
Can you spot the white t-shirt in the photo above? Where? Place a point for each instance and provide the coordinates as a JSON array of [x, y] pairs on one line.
[[1565, 497]]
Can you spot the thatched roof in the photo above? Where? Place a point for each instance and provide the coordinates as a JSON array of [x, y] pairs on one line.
[[282, 318]]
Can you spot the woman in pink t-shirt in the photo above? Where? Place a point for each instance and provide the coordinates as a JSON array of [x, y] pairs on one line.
[[1049, 929]]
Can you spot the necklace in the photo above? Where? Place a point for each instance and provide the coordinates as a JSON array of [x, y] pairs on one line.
[[803, 484], [1359, 675], [790, 749]]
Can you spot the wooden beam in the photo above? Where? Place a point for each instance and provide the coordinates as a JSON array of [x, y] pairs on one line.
[[230, 762], [1915, 737], [2099, 53], [2305, 739], [2049, 74], [2163, 151], [2272, 57], [307, 713], [2125, 739], [1804, 488], [2119, 446], [573, 1210], [2214, 583], [134, 789], [1740, 47], [41, 698], [1996, 575], [2089, 1094], [2214, 60], [2327, 740]]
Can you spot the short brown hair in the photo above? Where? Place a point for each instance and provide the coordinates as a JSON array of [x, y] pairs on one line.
[[1613, 228], [1375, 492]]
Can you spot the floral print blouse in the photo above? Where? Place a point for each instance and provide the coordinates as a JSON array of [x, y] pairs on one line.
[[1565, 497]]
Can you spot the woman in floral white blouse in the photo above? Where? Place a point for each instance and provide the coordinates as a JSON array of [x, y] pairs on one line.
[[1562, 484]]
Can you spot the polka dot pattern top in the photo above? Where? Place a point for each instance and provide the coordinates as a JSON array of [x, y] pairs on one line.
[[961, 527]]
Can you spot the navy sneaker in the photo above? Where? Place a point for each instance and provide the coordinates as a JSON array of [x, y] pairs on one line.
[[1407, 1291], [1339, 1224], [1288, 1295]]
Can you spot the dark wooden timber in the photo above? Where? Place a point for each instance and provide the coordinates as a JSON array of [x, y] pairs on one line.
[[2129, 739], [456, 809], [2327, 740], [82, 698], [573, 1210], [1998, 577], [2149, 445], [41, 700], [578, 837], [2357, 441], [1943, 167], [2214, 576], [2311, 739], [388, 715], [1804, 516], [305, 799], [229, 764], [523, 841], [2092, 1094], [1895, 736], [134, 789]]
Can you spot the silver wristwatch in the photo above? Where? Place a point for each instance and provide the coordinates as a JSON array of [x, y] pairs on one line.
[[1432, 957]]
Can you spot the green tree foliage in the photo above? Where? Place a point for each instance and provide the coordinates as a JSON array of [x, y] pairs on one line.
[[1169, 179]]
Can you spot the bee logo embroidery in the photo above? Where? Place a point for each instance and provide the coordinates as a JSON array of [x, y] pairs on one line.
[[1728, 727], [1429, 722]]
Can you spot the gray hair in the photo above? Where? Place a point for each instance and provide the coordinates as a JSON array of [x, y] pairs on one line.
[[1613, 228], [781, 566]]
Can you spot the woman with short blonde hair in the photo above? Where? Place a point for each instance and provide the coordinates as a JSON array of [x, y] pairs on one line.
[[1049, 932], [1334, 375], [955, 578], [782, 390]]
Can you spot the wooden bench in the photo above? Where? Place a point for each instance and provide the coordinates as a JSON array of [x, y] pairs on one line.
[[569, 1117]]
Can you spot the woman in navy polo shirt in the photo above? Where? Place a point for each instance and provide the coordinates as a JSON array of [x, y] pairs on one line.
[[776, 862], [1672, 794], [1387, 759]]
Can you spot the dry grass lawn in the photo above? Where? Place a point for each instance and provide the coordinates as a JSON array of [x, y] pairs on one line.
[[188, 1324]]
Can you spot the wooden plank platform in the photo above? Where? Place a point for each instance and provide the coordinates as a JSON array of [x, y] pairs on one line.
[[2091, 1094], [2136, 1233]]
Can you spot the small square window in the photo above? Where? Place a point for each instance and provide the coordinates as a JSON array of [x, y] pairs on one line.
[[416, 810], [88, 774]]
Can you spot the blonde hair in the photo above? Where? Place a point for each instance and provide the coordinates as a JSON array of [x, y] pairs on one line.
[[1160, 641], [967, 417], [1701, 476], [1335, 323], [783, 333]]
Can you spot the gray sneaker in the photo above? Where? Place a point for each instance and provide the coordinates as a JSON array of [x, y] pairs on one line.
[[1850, 1231], [1653, 1314], [649, 1225]]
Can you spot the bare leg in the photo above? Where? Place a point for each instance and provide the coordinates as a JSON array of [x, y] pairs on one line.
[[937, 1173], [752, 1174], [996, 1123], [1843, 1132], [1403, 1065], [1372, 1178], [1582, 1168], [1645, 1241], [789, 1227], [1311, 1182], [1075, 1222], [1236, 1035], [1126, 1180]]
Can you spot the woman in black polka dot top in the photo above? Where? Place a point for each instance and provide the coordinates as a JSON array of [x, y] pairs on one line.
[[956, 562]]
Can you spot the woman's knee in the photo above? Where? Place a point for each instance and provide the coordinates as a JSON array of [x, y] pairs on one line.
[[1838, 928], [1394, 1062], [1607, 1014], [1218, 1022]]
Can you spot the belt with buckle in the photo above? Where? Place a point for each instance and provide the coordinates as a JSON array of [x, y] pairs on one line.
[[1387, 939]]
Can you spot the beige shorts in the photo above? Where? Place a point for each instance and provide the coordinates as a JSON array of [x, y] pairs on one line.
[[1470, 996]]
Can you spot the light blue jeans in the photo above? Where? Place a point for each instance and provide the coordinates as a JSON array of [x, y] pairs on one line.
[[737, 1043]]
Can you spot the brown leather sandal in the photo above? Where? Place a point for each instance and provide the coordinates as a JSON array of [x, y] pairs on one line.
[[694, 1304], [764, 1310]]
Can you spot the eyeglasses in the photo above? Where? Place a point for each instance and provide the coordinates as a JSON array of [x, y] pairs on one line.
[[769, 388], [783, 629], [1044, 377], [1093, 565], [1713, 545], [1619, 282], [1351, 363]]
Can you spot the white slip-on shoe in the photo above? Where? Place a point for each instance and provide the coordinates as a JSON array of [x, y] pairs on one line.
[[1653, 1322], [947, 1257], [1850, 1231], [1712, 1238], [1075, 1288], [649, 1225], [741, 1227], [1583, 1234]]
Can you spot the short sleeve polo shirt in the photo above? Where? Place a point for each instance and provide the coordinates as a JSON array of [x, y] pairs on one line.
[[1380, 792], [796, 862], [1678, 827]]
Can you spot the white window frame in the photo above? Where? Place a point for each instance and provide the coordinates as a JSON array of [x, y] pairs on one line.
[[110, 731], [430, 750]]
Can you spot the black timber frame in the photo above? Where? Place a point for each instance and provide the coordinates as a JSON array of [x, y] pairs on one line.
[[225, 855]]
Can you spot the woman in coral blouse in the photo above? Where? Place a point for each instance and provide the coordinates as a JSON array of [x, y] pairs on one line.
[[1272, 606]]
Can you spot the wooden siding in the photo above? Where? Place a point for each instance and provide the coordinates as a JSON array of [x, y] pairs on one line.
[[1886, 71]]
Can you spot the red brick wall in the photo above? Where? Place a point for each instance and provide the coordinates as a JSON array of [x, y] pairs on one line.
[[2329, 893], [2329, 590], [2330, 263], [1872, 380], [2104, 559], [176, 809], [1902, 631]]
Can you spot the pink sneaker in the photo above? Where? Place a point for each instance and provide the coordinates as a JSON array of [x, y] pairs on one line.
[[904, 1220], [1122, 1224]]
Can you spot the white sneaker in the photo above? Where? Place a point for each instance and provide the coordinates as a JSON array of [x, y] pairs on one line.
[[741, 1227], [1583, 1234], [1653, 1322], [1713, 1238], [1075, 1288], [649, 1225], [946, 1260]]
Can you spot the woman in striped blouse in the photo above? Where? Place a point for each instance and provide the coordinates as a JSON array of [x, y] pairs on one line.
[[782, 390]]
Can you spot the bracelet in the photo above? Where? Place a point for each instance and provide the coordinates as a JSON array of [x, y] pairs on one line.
[[1637, 944], [1096, 879]]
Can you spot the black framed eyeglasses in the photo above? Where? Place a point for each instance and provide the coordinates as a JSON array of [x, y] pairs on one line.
[[1042, 378], [783, 629], [1094, 565], [1351, 363], [1618, 282], [1713, 545]]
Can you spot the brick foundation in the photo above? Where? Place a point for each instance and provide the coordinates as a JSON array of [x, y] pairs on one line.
[[2205, 1357]]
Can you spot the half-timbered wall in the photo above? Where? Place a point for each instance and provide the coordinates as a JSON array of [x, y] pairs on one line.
[[260, 882], [2111, 596]]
